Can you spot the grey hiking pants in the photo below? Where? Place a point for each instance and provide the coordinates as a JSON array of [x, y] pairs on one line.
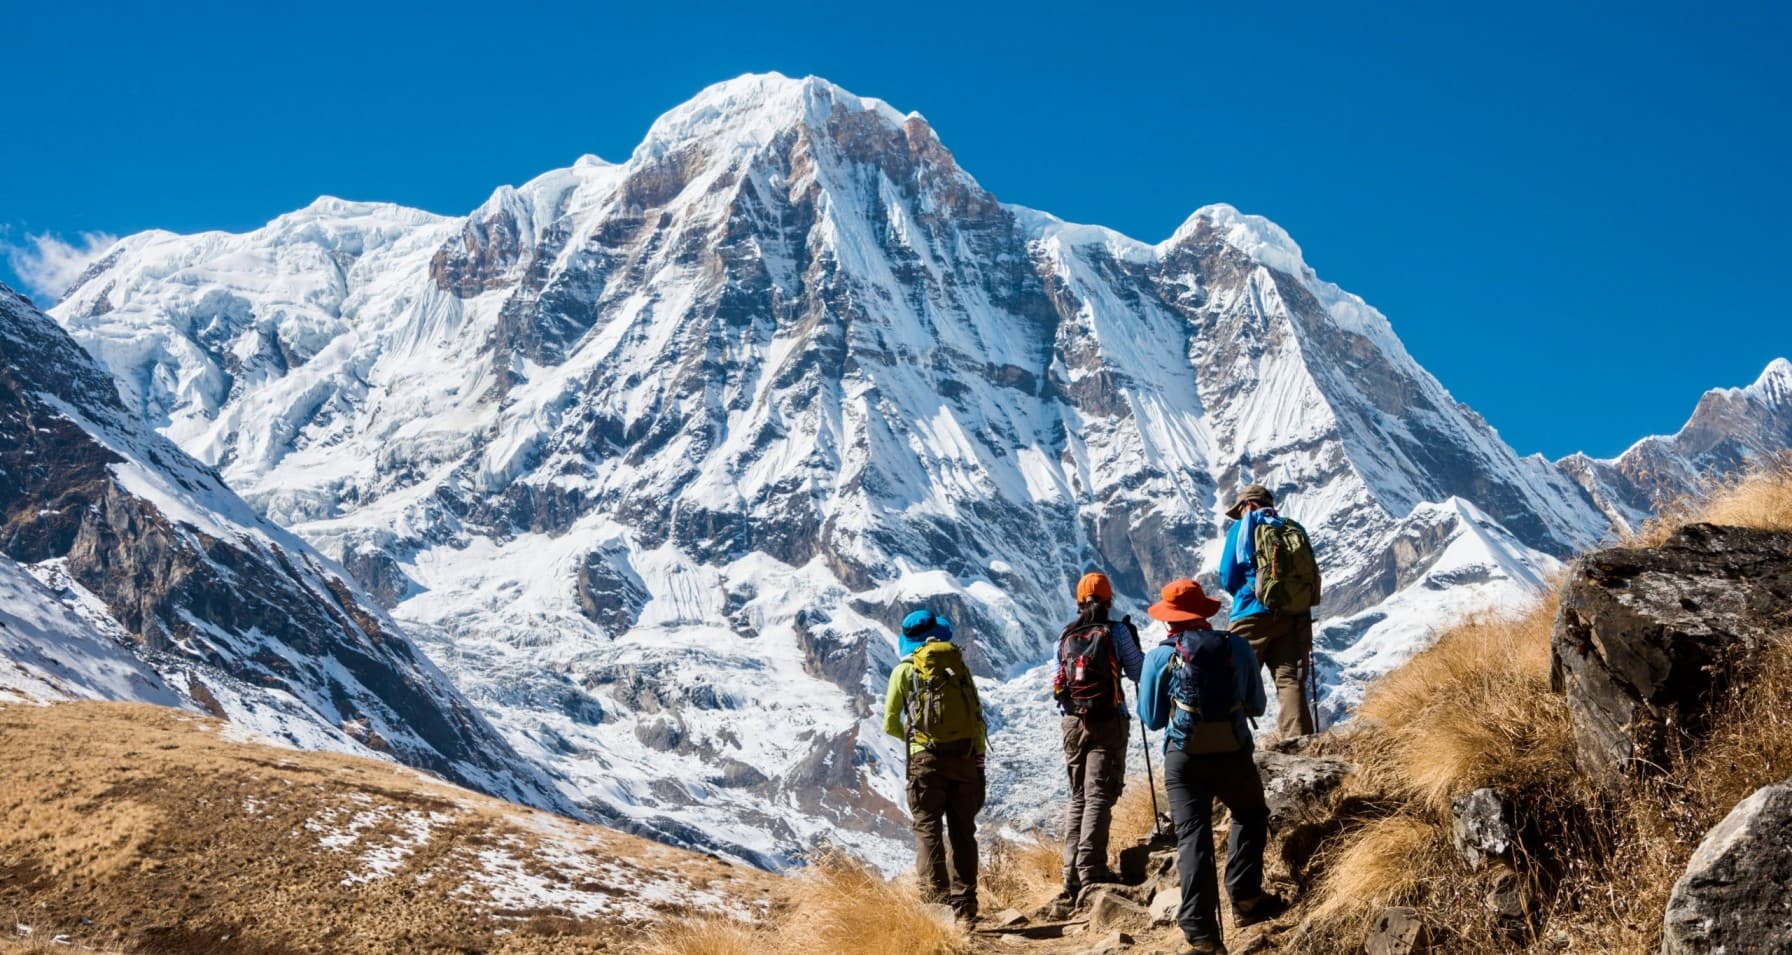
[[1282, 643], [945, 793], [1193, 782], [1095, 759]]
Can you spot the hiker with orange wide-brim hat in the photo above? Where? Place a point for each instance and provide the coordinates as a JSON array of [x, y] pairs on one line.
[[1183, 602], [1201, 686]]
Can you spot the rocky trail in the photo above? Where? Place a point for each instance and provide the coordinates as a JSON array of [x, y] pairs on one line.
[[1138, 914]]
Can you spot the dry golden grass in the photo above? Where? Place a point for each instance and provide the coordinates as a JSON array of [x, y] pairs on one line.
[[1473, 710], [837, 904], [841, 905], [1381, 863], [1759, 498], [146, 829], [708, 936], [1021, 874], [1133, 814], [1476, 710], [1618, 887]]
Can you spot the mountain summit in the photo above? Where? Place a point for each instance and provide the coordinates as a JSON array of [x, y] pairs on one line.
[[653, 456]]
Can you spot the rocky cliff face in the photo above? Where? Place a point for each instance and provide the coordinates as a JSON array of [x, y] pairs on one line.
[[217, 609], [1729, 428], [1649, 639], [653, 455]]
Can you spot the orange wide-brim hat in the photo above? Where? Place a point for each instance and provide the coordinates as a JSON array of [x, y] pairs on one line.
[[1184, 600]]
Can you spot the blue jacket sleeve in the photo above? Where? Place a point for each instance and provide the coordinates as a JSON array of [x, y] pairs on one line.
[[1250, 678], [1126, 646], [1154, 689], [1235, 560]]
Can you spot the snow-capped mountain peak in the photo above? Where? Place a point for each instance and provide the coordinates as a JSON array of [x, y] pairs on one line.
[[747, 113], [653, 456]]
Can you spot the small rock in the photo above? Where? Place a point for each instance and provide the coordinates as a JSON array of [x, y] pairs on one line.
[[1008, 918], [1398, 931], [1505, 898], [1480, 828], [941, 913], [1736, 894], [1164, 905], [1109, 909], [1112, 944]]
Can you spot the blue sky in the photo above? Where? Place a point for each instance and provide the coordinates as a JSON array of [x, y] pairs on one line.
[[1574, 214]]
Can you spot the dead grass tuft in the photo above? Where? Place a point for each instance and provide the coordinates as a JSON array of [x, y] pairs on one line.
[[708, 936], [1473, 710], [1381, 863], [836, 904], [839, 904], [1021, 874], [1760, 497], [1133, 814]]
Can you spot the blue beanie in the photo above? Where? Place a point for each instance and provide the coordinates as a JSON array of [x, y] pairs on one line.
[[920, 627]]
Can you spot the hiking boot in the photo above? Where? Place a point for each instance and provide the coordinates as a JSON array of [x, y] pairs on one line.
[[1104, 877], [1259, 908], [1206, 946]]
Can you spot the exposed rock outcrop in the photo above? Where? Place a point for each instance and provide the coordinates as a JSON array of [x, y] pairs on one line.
[[1736, 895], [1481, 828], [1647, 638]]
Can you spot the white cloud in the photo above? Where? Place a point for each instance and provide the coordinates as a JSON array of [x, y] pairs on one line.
[[48, 264]]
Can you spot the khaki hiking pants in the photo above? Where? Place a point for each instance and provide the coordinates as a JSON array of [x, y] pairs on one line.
[[1282, 643], [945, 793], [1095, 759]]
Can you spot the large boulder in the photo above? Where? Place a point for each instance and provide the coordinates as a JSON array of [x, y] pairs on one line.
[[1647, 637], [1736, 895]]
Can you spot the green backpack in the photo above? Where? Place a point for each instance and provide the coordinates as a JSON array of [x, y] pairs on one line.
[[942, 700], [1287, 573]]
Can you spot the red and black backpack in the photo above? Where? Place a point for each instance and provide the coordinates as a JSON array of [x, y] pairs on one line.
[[1088, 680]]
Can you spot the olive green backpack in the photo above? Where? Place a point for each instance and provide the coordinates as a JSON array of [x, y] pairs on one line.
[[1287, 573], [942, 701]]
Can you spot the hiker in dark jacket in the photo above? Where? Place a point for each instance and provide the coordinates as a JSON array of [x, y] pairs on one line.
[[1095, 727], [1207, 758], [1283, 641], [932, 704]]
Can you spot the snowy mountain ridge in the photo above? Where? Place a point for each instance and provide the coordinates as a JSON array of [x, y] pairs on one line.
[[651, 456], [132, 573]]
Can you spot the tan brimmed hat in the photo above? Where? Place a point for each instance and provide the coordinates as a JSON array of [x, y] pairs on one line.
[[1248, 493]]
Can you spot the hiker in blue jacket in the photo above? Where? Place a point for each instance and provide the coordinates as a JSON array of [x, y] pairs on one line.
[[1194, 674], [1283, 641]]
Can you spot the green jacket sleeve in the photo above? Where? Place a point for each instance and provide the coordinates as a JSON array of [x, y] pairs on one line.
[[895, 698]]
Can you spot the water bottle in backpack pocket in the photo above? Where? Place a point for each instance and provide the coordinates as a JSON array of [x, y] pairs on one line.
[[1204, 693], [1088, 679]]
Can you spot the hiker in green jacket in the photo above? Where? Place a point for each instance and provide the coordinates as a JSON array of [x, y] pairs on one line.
[[932, 704]]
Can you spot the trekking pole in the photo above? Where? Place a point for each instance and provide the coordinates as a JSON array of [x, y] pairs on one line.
[[1150, 783], [1313, 689]]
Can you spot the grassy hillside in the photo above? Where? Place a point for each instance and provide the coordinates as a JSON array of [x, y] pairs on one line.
[[1477, 710], [139, 828]]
